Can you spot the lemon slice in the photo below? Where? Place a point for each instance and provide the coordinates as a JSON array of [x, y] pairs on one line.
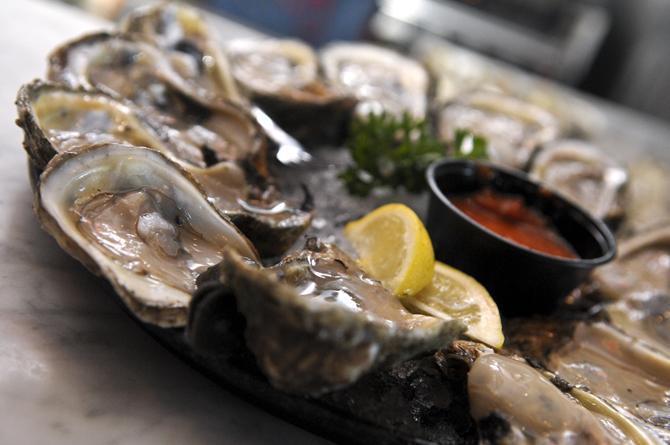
[[394, 247], [455, 295]]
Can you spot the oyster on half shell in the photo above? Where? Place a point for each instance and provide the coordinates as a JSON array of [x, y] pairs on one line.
[[380, 78], [184, 36], [316, 322], [584, 174], [282, 77], [138, 219], [641, 269], [513, 129], [57, 119]]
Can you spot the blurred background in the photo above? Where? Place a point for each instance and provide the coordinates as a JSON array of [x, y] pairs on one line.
[[615, 49]]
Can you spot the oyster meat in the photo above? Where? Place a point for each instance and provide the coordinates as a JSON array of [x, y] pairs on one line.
[[316, 322], [137, 218], [513, 129], [532, 409], [56, 119], [381, 79], [584, 174]]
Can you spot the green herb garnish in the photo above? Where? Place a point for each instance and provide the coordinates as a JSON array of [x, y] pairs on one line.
[[390, 151], [468, 145]]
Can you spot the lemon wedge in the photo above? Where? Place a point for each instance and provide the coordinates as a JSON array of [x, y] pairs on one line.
[[394, 247], [455, 295]]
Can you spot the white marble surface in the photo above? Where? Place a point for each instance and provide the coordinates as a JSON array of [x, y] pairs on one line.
[[74, 369]]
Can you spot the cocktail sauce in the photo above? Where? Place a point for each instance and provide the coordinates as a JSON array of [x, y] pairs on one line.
[[511, 218]]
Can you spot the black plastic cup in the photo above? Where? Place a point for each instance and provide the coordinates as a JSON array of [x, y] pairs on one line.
[[521, 281]]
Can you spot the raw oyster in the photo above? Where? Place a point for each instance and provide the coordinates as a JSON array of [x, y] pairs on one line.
[[316, 322], [628, 375], [205, 132], [513, 129], [641, 270], [508, 391], [639, 282], [644, 319], [647, 199], [584, 174], [56, 119], [182, 33], [381, 79], [281, 76], [136, 218]]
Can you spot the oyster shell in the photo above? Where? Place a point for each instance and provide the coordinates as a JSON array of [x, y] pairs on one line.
[[514, 129], [647, 201], [641, 270], [644, 319], [281, 76], [639, 283], [183, 34], [138, 219], [316, 322], [381, 79], [584, 174], [205, 132], [56, 119]]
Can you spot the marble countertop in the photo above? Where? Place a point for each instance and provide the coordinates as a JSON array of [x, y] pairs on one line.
[[74, 368]]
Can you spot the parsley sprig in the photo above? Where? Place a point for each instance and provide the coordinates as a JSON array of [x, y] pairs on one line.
[[390, 151]]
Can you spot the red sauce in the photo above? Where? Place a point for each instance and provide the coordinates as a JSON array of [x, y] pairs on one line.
[[509, 217]]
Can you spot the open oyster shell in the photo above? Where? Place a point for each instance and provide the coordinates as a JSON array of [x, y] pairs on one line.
[[282, 77], [641, 269], [647, 201], [57, 119], [513, 129], [584, 174], [316, 322], [638, 282], [381, 79], [138, 219], [183, 34]]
